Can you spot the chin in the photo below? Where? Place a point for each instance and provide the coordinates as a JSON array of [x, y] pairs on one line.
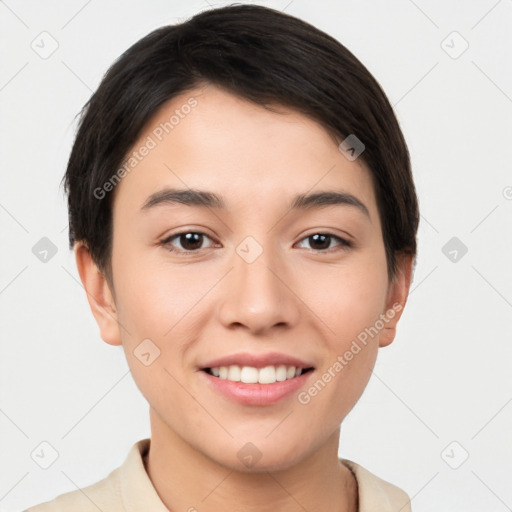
[[249, 458]]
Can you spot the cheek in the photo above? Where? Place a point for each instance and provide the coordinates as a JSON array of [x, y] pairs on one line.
[[164, 303], [348, 298], [153, 295], [155, 310]]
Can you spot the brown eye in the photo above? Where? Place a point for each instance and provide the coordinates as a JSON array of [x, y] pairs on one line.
[[322, 241], [189, 241]]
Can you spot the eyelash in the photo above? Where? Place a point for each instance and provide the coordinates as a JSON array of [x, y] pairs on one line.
[[345, 244]]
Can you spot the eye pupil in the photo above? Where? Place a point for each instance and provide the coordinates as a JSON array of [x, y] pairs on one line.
[[319, 237], [191, 241]]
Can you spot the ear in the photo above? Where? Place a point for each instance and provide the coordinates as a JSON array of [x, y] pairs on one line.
[[398, 292], [99, 295]]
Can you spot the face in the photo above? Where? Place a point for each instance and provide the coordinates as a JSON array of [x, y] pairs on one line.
[[254, 276]]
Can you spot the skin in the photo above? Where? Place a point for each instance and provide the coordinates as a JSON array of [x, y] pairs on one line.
[[210, 303]]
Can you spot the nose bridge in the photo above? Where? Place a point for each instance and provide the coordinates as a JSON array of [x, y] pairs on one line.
[[257, 296]]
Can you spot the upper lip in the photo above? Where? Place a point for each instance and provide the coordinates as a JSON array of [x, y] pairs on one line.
[[258, 360]]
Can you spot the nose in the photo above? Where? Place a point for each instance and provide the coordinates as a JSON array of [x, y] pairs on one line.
[[259, 295]]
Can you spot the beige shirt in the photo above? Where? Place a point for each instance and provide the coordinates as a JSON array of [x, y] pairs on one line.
[[129, 489]]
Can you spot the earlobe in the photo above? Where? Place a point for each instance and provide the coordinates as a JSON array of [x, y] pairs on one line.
[[398, 292], [99, 295]]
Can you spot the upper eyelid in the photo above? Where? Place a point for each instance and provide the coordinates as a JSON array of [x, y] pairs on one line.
[[175, 235]]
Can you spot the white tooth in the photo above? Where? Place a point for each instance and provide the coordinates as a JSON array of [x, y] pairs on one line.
[[281, 373], [249, 375], [290, 372], [234, 373], [267, 375]]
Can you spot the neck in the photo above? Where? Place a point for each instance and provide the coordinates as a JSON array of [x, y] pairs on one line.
[[187, 480]]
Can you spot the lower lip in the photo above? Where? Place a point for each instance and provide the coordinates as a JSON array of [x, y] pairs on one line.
[[257, 394]]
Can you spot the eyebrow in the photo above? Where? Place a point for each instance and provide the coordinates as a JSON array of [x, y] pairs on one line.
[[203, 198]]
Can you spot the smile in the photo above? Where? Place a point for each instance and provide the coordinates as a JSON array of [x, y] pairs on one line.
[[248, 385]]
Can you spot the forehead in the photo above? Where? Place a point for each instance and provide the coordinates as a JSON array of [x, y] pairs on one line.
[[210, 139]]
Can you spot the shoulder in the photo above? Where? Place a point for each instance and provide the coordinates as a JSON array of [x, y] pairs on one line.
[[127, 483], [376, 494], [103, 495]]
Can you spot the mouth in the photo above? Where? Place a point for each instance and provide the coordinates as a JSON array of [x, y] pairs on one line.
[[257, 379], [251, 375]]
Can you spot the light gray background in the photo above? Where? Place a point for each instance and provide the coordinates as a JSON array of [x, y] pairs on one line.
[[445, 378]]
